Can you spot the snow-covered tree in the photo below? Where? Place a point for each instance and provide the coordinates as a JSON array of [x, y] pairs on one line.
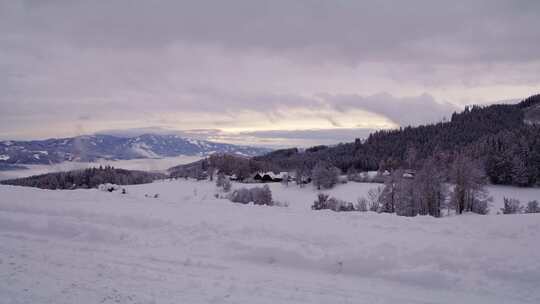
[[242, 195], [406, 198], [511, 206], [375, 196], [324, 175], [389, 195], [220, 180], [532, 207], [320, 203], [362, 204], [227, 185], [469, 194], [262, 195], [431, 188]]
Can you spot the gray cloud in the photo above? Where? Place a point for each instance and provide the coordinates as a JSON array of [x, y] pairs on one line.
[[403, 111], [478, 30], [306, 138], [84, 66]]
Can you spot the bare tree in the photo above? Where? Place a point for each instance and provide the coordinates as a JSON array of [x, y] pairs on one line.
[[375, 195], [220, 180], [362, 204], [469, 194], [324, 175], [511, 206], [406, 198], [389, 195], [431, 188]]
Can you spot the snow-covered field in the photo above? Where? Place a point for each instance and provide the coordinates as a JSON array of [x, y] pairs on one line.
[[186, 246], [145, 164]]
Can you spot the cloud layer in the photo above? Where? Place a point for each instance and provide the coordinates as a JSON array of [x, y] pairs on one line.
[[250, 69]]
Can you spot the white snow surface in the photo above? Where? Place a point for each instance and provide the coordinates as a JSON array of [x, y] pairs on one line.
[[144, 150], [186, 246]]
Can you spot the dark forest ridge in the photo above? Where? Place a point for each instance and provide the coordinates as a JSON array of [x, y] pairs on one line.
[[505, 137]]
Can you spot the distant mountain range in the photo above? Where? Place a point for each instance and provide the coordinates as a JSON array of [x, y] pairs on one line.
[[90, 148]]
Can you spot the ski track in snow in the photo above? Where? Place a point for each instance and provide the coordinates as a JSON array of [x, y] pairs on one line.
[[88, 246]]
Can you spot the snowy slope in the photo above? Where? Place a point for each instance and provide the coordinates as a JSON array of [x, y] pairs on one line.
[[87, 246]]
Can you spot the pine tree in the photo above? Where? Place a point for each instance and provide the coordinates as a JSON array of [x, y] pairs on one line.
[[519, 172]]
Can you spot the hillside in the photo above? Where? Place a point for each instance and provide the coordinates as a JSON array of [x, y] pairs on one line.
[[186, 246], [531, 108], [92, 147], [497, 135]]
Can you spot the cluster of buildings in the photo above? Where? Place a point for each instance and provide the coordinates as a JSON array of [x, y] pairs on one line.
[[268, 177]]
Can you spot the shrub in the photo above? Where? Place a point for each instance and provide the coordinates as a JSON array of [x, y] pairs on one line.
[[220, 180], [532, 207], [375, 199], [339, 205], [362, 204], [262, 195], [242, 195], [257, 195], [320, 203], [281, 203], [511, 206], [323, 202], [481, 207], [227, 185], [108, 187]]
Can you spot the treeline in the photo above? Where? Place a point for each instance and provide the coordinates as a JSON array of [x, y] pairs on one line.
[[507, 148], [429, 190], [87, 178], [239, 166]]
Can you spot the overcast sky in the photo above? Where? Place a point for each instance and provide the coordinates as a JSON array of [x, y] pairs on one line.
[[259, 72]]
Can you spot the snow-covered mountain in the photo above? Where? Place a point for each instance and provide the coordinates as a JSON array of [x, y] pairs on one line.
[[93, 147]]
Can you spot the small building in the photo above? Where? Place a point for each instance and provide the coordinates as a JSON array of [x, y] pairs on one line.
[[409, 174], [257, 177], [267, 178], [270, 176]]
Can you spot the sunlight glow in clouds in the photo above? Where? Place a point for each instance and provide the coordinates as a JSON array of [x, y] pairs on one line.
[[276, 72]]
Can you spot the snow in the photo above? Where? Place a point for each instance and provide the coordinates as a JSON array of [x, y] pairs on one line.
[[89, 246], [197, 143], [524, 195], [4, 157], [146, 164], [144, 150]]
